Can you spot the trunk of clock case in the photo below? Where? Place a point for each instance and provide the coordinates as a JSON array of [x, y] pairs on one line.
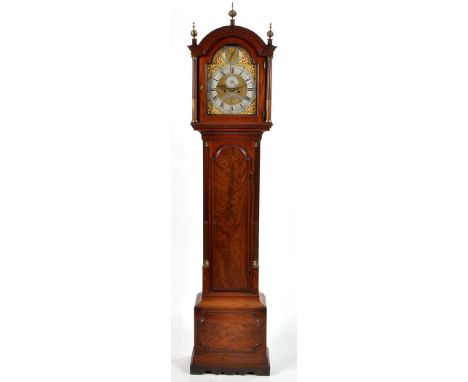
[[231, 207]]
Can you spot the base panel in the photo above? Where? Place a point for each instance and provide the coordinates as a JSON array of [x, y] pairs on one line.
[[230, 335]]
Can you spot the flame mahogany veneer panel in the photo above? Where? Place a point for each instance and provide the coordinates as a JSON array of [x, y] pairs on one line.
[[231, 187]]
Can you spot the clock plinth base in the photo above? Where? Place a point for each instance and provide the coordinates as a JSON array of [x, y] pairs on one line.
[[230, 335], [207, 368]]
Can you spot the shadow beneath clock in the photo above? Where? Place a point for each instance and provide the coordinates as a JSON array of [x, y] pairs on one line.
[[182, 364]]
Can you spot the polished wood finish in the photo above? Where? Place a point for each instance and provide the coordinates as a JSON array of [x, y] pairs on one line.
[[231, 188], [230, 335], [230, 313]]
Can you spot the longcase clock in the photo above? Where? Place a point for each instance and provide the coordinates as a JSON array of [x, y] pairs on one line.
[[231, 108]]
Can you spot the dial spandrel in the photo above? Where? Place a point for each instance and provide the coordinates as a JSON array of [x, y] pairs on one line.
[[231, 82]]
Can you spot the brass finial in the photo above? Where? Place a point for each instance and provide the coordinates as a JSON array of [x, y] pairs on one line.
[[270, 35], [194, 32], [270, 32], [232, 13]]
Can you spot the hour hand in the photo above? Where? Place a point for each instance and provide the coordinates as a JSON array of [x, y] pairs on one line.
[[226, 88]]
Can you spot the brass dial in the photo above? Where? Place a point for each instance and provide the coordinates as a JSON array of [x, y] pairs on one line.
[[231, 82], [231, 89]]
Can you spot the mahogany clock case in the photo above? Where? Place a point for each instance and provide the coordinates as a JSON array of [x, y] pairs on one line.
[[230, 315]]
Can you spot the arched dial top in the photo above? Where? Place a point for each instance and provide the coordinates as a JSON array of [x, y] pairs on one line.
[[231, 82]]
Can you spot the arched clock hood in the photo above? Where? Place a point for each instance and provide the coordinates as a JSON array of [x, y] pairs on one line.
[[250, 38]]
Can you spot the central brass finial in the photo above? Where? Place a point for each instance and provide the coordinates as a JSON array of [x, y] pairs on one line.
[[232, 13], [270, 32]]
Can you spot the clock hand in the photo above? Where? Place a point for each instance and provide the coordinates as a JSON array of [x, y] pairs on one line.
[[225, 87], [238, 88]]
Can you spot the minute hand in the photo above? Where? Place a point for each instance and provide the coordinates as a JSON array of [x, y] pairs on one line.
[[231, 89]]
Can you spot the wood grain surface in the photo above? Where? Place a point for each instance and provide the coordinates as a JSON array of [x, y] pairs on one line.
[[230, 219]]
